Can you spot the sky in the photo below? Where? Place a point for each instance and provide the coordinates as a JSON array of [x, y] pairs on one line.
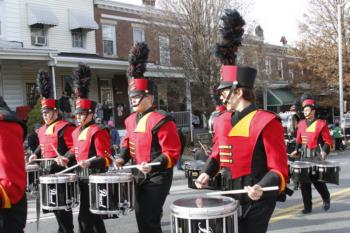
[[276, 17]]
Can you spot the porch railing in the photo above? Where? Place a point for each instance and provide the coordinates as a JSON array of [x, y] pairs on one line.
[[182, 119]]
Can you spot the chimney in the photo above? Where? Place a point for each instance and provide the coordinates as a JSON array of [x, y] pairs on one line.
[[149, 2]]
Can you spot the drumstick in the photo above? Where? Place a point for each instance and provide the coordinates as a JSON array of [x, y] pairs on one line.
[[58, 154], [205, 150], [239, 191], [72, 167], [138, 165], [43, 159]]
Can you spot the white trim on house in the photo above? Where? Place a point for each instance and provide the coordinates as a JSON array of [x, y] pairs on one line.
[[26, 54]]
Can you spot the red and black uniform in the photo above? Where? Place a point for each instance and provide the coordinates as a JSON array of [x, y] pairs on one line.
[[250, 149], [13, 202], [312, 135], [58, 135], [151, 137], [90, 140]]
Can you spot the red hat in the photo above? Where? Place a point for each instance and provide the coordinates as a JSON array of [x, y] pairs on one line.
[[45, 89], [48, 104], [81, 81], [239, 76], [138, 84], [309, 102]]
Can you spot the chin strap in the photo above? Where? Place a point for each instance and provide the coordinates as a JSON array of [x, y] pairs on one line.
[[233, 87], [143, 96]]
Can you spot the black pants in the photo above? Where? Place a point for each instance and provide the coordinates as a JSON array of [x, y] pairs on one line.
[[65, 221], [150, 196], [307, 193], [13, 220], [88, 222], [255, 216]]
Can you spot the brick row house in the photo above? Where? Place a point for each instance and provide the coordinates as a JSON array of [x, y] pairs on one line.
[[57, 35]]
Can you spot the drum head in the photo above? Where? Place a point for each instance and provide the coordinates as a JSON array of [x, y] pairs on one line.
[[32, 167], [58, 179], [301, 164], [327, 163], [204, 207], [106, 178]]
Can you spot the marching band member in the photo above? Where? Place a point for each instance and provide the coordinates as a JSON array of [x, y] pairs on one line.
[[13, 201], [89, 139], [313, 138], [251, 149], [151, 137], [55, 139]]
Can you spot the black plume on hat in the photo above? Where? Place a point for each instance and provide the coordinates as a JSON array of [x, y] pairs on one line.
[[138, 57], [231, 31], [82, 80], [44, 84], [306, 96]]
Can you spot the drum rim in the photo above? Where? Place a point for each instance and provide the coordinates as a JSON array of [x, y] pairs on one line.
[[109, 178], [32, 167], [330, 163], [302, 164], [61, 207], [58, 179], [205, 213]]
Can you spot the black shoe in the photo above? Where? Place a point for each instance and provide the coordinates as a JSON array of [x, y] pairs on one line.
[[306, 211], [326, 205]]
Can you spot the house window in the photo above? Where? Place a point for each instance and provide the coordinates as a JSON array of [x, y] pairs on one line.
[[139, 35], [109, 40], [31, 94], [78, 39], [291, 74], [1, 18], [280, 69], [164, 51], [38, 36], [267, 65]]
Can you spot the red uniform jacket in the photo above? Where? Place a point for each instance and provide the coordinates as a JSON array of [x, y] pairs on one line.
[[139, 138], [222, 150], [238, 146], [92, 135], [12, 164], [308, 135], [48, 135]]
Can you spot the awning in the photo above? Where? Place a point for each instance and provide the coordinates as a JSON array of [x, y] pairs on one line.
[[279, 97], [41, 14], [81, 20]]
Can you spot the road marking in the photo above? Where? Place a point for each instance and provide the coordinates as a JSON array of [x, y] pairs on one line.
[[295, 209]]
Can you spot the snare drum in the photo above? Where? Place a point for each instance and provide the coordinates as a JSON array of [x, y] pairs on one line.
[[33, 171], [111, 193], [204, 214], [301, 171], [327, 171], [59, 192], [193, 172]]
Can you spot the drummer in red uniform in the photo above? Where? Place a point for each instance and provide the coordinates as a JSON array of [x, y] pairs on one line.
[[151, 137], [13, 201], [250, 148], [89, 139], [55, 138], [315, 142]]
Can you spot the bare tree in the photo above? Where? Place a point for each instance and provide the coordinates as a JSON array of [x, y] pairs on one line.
[[193, 29], [318, 49]]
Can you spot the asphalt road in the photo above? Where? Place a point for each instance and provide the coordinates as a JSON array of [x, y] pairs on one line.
[[286, 218]]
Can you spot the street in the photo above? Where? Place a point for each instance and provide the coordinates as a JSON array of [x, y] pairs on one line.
[[286, 218]]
